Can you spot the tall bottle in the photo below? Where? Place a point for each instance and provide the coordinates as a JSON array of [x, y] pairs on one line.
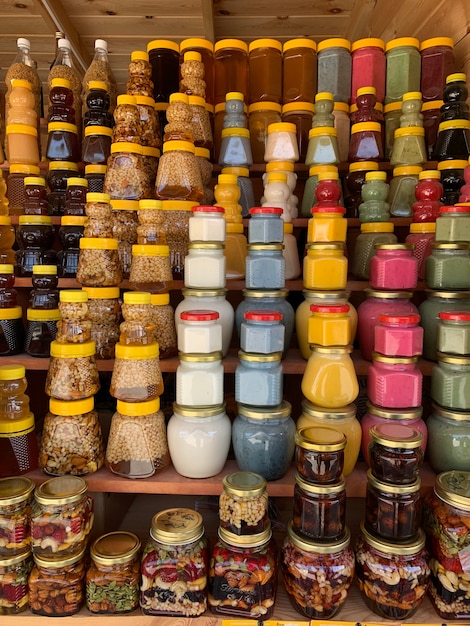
[[100, 69], [23, 68], [62, 67]]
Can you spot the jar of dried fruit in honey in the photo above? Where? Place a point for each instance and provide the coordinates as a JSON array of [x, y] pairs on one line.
[[16, 497], [14, 572]]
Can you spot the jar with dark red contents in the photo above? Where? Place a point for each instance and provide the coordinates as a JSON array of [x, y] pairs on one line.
[[393, 577], [393, 512], [437, 62], [243, 575], [319, 454], [319, 510], [317, 575], [393, 267], [394, 382], [8, 295], [431, 112], [243, 504], [395, 453], [16, 497]]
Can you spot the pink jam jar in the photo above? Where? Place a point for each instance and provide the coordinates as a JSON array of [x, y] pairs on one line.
[[394, 382], [399, 335], [394, 267], [376, 415], [377, 303]]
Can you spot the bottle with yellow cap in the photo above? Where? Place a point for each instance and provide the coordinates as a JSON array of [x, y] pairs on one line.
[[455, 98], [277, 194], [44, 294], [7, 239], [124, 228], [364, 109], [98, 263], [8, 295], [99, 70], [235, 148], [104, 310], [368, 66], [205, 48], [428, 194], [301, 114], [35, 238], [281, 144], [136, 374], [403, 67], [411, 109], [136, 329], [61, 101], [12, 199], [57, 175], [21, 144], [75, 195], [452, 179], [287, 168], [125, 177], [179, 119], [70, 232], [99, 216], [201, 123], [72, 373], [247, 195], [18, 446], [162, 317], [22, 104], [140, 75], [401, 195], [74, 325], [366, 142], [409, 147], [323, 115], [164, 57], [327, 223], [309, 199], [192, 72], [98, 102], [374, 206], [94, 175], [62, 142], [227, 194], [35, 192], [14, 402], [453, 140], [96, 144], [127, 126], [372, 233]]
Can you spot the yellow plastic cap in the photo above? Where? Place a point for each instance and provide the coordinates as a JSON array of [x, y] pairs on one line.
[[102, 243], [149, 151], [341, 106], [63, 165], [73, 295], [282, 127], [318, 131], [35, 180], [178, 205], [5, 220], [61, 82], [363, 91], [415, 131], [125, 99], [72, 350], [362, 166], [376, 176], [192, 56], [377, 227], [205, 153], [437, 41], [21, 129], [7, 268], [276, 177], [147, 100], [433, 104], [165, 44], [236, 132], [161, 106], [61, 126], [452, 164], [265, 43], [19, 82], [407, 170], [150, 351], [368, 42], [135, 409], [45, 220], [234, 228], [22, 168], [292, 107], [150, 250], [178, 97], [334, 42], [124, 205], [73, 220], [12, 371], [392, 106], [12, 313], [95, 196], [280, 166], [234, 95], [457, 77], [401, 42], [328, 176], [159, 299], [71, 407], [227, 179], [98, 84], [451, 124], [324, 95], [366, 127], [43, 315], [187, 146], [154, 205], [16, 427], [126, 146], [238, 171], [238, 44], [315, 170], [139, 55], [196, 42], [77, 182], [197, 101], [299, 42], [102, 293], [412, 95], [423, 227], [435, 174], [136, 297], [264, 106], [44, 270]]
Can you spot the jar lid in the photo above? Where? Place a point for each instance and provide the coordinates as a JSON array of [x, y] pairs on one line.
[[392, 488], [98, 243], [198, 411], [61, 82], [403, 548], [282, 127], [322, 546], [452, 164], [316, 169], [22, 129], [324, 95], [12, 313], [454, 488], [452, 360], [334, 42], [265, 43], [19, 82], [186, 146], [377, 227], [360, 127], [150, 351], [209, 357], [102, 293], [161, 106], [246, 541], [448, 125], [407, 170], [320, 131], [15, 489], [127, 146], [7, 268], [71, 407], [165, 44], [150, 250], [94, 196], [330, 175], [423, 227], [58, 126], [137, 409], [263, 315], [253, 293], [35, 180], [327, 209], [429, 174], [145, 100], [206, 245], [61, 490], [393, 318], [392, 106], [437, 41], [394, 246], [266, 247], [232, 169], [362, 166], [368, 42], [450, 246], [331, 350], [259, 358], [455, 316], [196, 100], [299, 42], [52, 562], [207, 209], [32, 220], [177, 526], [154, 205], [77, 181], [402, 41], [136, 297], [297, 107], [269, 210], [396, 436], [412, 95], [41, 315], [432, 105], [115, 548], [325, 246], [159, 299], [326, 413], [388, 295], [264, 106], [72, 350], [16, 427], [456, 77], [282, 410], [98, 130], [412, 130], [276, 177], [204, 293], [366, 91], [330, 308], [139, 55], [73, 295], [149, 151], [63, 165], [321, 439], [177, 205], [230, 43], [331, 488], [12, 371], [196, 42], [233, 132], [97, 84], [402, 414], [310, 294], [20, 168], [244, 484], [454, 209], [199, 315], [456, 416]]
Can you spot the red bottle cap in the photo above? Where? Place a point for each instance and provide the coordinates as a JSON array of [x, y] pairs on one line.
[[266, 209], [328, 209], [455, 316], [197, 315], [203, 208], [390, 318], [263, 315], [454, 209], [329, 308]]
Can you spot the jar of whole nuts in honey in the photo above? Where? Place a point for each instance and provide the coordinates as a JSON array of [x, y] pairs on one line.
[[74, 325], [56, 586], [14, 572], [150, 268], [125, 177], [99, 214], [151, 228], [136, 309], [127, 126], [319, 510], [140, 75], [112, 580], [72, 373], [395, 453], [243, 504], [137, 443], [150, 157], [104, 307], [136, 374], [162, 317], [178, 175], [201, 122], [124, 229], [149, 121], [176, 221], [98, 263], [16, 497], [71, 439]]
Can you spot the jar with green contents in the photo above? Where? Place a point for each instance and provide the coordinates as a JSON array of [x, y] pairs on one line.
[[372, 233], [392, 114], [448, 266], [450, 382], [453, 332], [403, 67], [449, 439], [334, 68], [435, 303], [401, 195], [453, 224]]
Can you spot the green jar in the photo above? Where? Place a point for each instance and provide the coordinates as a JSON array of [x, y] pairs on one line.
[[450, 382], [453, 332], [435, 303], [403, 67], [448, 440], [392, 114], [448, 266], [401, 196], [453, 223]]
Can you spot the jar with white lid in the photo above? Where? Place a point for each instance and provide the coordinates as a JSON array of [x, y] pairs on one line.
[[261, 332], [259, 379], [204, 266], [207, 223], [200, 380], [199, 440], [281, 143], [199, 332]]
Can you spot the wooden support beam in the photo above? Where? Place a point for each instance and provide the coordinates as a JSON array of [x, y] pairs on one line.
[[207, 10]]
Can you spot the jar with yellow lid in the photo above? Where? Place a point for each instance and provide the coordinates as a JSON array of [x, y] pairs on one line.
[[319, 454], [384, 567], [366, 142], [421, 236], [61, 518], [127, 126], [15, 185], [202, 131], [113, 577], [178, 176], [150, 157], [136, 374], [125, 177], [72, 373], [401, 195], [150, 268], [71, 438], [235, 148], [98, 263], [176, 552], [265, 71], [96, 145], [22, 144], [35, 202], [140, 73], [16, 498], [14, 403], [453, 140], [137, 445], [230, 68], [18, 445], [62, 142], [320, 380], [322, 146], [334, 68], [281, 143], [301, 114], [151, 229], [409, 147], [162, 317], [309, 199], [452, 179], [319, 510], [57, 585], [354, 181], [104, 307], [35, 239], [260, 116], [41, 329], [136, 328], [58, 174], [299, 70], [151, 136], [325, 266], [14, 573], [176, 215], [74, 325], [8, 295]]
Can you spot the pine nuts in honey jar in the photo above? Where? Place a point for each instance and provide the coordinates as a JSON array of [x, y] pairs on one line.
[[243, 505]]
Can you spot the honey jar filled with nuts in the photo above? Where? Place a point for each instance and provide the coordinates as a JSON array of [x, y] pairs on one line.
[[104, 307], [74, 325], [243, 504], [178, 175], [14, 572], [136, 329], [16, 497], [136, 374], [72, 373]]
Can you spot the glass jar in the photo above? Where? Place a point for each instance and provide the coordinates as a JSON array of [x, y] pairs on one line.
[[393, 578], [265, 225], [14, 403], [342, 419], [334, 68], [8, 295], [205, 266], [265, 71], [368, 66], [164, 58], [376, 303], [299, 113], [96, 146], [61, 518], [41, 330], [325, 367], [14, 573], [199, 380], [299, 70], [395, 453], [317, 575], [176, 552], [72, 373], [319, 510], [98, 263], [207, 224], [325, 267], [436, 302], [22, 144], [327, 224], [281, 143], [453, 224], [450, 380], [453, 333], [113, 577], [71, 440], [35, 238], [243, 575], [243, 504], [437, 62], [230, 68], [366, 142], [329, 325], [162, 317], [260, 116], [372, 234], [265, 266], [448, 265], [58, 174], [53, 582], [70, 233], [322, 146], [176, 224], [16, 497], [199, 440], [263, 440], [18, 446], [11, 331], [136, 374], [262, 332], [449, 432], [403, 68], [62, 142], [398, 335], [199, 332], [319, 454], [259, 379], [125, 177], [137, 445], [402, 190], [394, 382], [15, 186], [393, 512], [94, 175]]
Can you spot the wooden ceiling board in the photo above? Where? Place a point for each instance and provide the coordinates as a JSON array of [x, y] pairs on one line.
[[109, 28], [33, 26], [122, 8], [263, 8], [18, 7], [249, 28]]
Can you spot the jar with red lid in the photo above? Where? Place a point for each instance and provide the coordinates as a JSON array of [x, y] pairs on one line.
[[393, 267], [453, 224], [394, 382], [437, 62], [366, 142], [375, 416], [431, 112], [319, 454], [35, 202], [368, 66], [317, 575], [453, 332], [262, 332], [266, 225], [207, 223], [393, 511], [398, 335], [395, 453], [376, 303], [199, 332], [327, 223], [319, 509], [329, 325], [393, 577]]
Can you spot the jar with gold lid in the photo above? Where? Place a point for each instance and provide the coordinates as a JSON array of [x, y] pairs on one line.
[[177, 552], [14, 573], [243, 504], [16, 497], [319, 454], [113, 578], [395, 453], [394, 382], [319, 510]]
